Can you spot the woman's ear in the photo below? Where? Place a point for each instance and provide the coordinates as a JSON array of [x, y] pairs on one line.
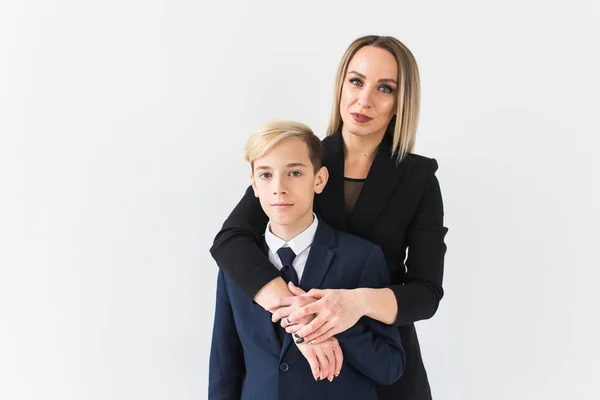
[[321, 178]]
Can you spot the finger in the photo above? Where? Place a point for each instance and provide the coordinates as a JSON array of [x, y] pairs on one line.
[[316, 293], [296, 291], [323, 363], [293, 328], [312, 308], [320, 335], [328, 352], [311, 327], [339, 359], [285, 322], [324, 337], [281, 302], [283, 312], [314, 364]]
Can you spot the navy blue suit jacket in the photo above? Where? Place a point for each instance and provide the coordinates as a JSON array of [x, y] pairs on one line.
[[248, 362]]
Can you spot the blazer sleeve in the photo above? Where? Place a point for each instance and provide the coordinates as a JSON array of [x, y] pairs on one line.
[[236, 248], [226, 368], [419, 296], [372, 348]]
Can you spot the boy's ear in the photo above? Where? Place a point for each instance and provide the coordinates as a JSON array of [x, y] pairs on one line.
[[321, 178], [253, 182]]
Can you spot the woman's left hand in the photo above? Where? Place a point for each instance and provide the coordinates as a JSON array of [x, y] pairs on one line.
[[336, 310]]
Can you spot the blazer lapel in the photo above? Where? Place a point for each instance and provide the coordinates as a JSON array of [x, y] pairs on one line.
[[264, 317], [317, 265], [382, 179], [266, 329]]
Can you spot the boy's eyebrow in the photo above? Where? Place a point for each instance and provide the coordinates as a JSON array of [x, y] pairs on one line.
[[381, 80], [290, 165], [296, 164]]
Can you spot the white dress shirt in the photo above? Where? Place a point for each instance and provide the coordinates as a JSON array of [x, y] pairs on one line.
[[300, 245]]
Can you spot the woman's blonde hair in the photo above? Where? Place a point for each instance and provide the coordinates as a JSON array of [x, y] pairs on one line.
[[403, 126], [267, 135]]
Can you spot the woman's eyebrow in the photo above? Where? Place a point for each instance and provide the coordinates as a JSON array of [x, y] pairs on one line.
[[381, 80]]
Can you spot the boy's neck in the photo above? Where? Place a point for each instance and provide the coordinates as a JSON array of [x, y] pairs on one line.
[[290, 231]]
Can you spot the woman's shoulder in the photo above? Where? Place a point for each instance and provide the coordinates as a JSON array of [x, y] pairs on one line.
[[419, 162], [418, 167]]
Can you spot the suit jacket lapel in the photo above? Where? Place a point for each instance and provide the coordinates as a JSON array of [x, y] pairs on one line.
[[381, 182], [317, 265], [264, 318]]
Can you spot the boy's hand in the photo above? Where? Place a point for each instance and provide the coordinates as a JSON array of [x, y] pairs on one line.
[[325, 359], [284, 306]]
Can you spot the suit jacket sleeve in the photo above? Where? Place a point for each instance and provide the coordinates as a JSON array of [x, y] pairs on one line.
[[227, 368], [373, 348], [418, 298], [236, 248]]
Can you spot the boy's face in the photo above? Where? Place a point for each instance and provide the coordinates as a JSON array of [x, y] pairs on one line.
[[285, 182]]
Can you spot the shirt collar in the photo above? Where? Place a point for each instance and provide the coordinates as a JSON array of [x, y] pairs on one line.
[[298, 244]]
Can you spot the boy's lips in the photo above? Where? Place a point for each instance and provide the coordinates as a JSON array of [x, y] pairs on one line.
[[281, 205]]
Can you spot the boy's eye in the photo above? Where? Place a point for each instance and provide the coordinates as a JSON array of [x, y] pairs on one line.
[[295, 173], [264, 175]]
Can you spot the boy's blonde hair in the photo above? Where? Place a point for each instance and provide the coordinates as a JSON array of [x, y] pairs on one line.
[[267, 135]]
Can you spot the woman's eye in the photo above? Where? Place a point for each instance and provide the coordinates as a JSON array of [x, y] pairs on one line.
[[295, 173], [356, 82], [386, 89]]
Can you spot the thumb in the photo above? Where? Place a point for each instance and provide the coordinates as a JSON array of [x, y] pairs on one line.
[[296, 291]]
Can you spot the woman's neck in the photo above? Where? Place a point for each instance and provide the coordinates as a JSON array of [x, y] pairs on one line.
[[361, 148]]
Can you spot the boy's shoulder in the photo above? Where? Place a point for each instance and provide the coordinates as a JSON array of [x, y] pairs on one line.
[[351, 246]]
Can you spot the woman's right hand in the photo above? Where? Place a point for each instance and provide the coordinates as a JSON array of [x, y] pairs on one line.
[[325, 359]]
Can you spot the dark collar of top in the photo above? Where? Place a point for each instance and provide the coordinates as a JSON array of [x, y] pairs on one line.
[[381, 182]]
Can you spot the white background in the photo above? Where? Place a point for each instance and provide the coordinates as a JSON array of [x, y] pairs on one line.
[[122, 130]]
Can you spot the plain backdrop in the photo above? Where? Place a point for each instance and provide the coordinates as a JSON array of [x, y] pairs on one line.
[[122, 131]]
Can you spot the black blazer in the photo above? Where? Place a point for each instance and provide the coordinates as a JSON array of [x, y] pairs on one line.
[[399, 208]]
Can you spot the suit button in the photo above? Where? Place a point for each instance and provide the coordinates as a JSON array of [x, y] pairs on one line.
[[284, 367]]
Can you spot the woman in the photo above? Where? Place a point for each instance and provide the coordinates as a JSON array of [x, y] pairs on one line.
[[377, 190]]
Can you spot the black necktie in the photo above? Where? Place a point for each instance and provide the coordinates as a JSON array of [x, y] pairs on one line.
[[287, 256]]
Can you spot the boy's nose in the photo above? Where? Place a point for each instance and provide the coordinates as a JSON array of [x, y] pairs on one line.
[[279, 187]]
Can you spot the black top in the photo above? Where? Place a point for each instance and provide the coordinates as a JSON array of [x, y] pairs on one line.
[[352, 188], [399, 208]]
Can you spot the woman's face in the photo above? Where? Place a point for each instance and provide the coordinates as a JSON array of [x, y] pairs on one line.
[[369, 92]]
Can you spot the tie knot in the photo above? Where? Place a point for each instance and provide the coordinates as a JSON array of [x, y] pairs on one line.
[[286, 255]]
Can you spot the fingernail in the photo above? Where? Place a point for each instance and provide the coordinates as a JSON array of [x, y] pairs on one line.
[[298, 341], [311, 342], [296, 335]]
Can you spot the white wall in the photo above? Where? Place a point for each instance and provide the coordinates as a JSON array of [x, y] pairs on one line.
[[122, 127]]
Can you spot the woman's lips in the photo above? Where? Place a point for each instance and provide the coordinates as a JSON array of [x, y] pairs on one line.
[[361, 118]]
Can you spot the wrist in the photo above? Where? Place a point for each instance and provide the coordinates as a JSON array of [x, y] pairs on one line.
[[364, 301]]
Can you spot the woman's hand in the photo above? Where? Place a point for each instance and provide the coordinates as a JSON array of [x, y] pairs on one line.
[[284, 306], [336, 310]]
